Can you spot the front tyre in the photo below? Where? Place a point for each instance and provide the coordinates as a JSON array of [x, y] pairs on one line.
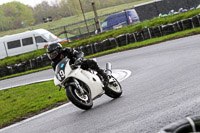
[[82, 101], [114, 89]]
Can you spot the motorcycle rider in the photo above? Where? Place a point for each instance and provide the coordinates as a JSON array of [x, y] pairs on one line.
[[56, 53]]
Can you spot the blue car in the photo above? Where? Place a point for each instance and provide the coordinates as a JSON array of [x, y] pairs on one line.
[[121, 19]]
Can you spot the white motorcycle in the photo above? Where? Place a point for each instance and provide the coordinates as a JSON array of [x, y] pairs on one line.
[[83, 86]]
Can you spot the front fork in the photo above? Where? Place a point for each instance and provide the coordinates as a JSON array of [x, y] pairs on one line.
[[78, 86]]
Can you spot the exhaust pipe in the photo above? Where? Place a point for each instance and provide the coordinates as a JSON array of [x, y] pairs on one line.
[[109, 68]]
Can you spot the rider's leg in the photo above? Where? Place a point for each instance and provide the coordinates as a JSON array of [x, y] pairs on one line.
[[89, 63]]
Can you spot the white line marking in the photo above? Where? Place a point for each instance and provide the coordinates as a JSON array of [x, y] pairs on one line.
[[118, 74], [39, 81], [121, 74], [115, 73], [34, 117]]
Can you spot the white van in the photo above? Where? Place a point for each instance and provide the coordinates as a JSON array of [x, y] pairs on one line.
[[16, 44]]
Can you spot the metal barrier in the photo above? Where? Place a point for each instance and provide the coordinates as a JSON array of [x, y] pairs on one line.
[[78, 30]]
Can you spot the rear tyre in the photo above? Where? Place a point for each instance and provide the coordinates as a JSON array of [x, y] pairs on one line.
[[114, 89], [82, 101]]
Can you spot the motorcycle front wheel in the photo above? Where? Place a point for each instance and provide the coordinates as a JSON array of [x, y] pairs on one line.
[[82, 101], [114, 89]]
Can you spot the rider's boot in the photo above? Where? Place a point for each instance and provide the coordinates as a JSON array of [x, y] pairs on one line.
[[104, 75]]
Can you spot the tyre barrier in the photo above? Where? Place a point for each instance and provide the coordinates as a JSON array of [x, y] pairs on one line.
[[27, 65], [15, 69], [4, 71], [146, 33], [122, 40], [87, 50], [131, 38], [21, 67], [187, 125], [177, 27], [91, 49], [39, 62], [98, 47], [187, 24], [155, 32], [196, 21], [180, 25], [45, 60], [168, 29], [9, 70], [107, 44], [139, 36], [113, 43]]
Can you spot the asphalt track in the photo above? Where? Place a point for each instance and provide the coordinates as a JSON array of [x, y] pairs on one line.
[[164, 87]]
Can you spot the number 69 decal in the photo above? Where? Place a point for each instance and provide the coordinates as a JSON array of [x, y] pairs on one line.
[[60, 75]]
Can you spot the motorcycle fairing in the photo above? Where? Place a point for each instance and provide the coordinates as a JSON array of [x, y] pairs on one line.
[[60, 72]]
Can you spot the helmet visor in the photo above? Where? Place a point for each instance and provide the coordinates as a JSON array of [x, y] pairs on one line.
[[52, 55]]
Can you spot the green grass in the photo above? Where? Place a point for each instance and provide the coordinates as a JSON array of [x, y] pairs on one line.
[[17, 102]]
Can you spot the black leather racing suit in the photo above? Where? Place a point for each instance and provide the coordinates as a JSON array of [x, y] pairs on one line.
[[73, 55]]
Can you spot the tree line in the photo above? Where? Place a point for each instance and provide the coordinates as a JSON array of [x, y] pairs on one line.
[[15, 15]]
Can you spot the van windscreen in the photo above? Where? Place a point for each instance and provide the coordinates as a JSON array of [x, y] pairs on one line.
[[104, 24], [50, 37], [40, 39], [116, 19]]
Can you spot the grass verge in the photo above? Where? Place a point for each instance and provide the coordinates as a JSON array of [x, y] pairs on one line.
[[23, 102]]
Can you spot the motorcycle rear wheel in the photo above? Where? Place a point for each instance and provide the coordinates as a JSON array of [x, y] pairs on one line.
[[82, 101], [114, 89]]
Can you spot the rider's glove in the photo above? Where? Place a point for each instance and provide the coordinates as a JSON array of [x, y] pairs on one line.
[[78, 61]]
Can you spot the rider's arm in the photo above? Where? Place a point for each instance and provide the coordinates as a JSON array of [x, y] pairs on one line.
[[78, 54], [73, 53], [53, 64]]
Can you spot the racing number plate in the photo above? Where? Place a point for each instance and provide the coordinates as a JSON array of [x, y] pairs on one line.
[[61, 72]]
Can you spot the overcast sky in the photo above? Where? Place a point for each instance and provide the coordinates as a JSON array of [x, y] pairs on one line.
[[27, 2]]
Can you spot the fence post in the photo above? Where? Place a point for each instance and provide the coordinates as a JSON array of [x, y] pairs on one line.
[[79, 31], [84, 15], [97, 22], [65, 32]]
